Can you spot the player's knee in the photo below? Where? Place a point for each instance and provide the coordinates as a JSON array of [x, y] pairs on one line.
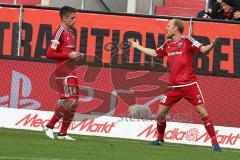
[[201, 110], [70, 103], [75, 105], [161, 115], [162, 112]]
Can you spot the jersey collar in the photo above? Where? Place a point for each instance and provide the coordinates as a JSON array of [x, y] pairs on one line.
[[180, 37]]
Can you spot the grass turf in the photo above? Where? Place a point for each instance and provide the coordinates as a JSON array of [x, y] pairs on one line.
[[32, 145]]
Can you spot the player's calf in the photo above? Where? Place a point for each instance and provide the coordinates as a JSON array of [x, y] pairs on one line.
[[68, 115]]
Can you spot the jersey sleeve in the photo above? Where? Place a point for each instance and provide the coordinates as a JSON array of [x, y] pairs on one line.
[[53, 48], [161, 51], [194, 44]]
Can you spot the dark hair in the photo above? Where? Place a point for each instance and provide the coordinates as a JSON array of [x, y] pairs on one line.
[[64, 11], [229, 2], [179, 24]]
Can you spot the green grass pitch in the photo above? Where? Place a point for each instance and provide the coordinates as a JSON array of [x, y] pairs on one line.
[[32, 145]]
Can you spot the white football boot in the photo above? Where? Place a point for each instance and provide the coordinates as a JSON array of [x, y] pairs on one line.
[[48, 132], [66, 137]]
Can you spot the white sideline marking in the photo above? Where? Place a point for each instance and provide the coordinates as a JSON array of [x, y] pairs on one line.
[[26, 158]]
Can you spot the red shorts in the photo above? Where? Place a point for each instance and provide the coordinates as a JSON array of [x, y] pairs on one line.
[[68, 87], [190, 92]]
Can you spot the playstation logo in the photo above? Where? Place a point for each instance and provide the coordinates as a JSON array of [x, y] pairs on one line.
[[21, 88]]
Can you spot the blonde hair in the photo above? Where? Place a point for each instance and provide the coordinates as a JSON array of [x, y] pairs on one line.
[[179, 24]]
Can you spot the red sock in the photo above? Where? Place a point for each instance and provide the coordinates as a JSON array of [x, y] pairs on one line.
[[57, 116], [161, 126], [210, 129], [67, 119]]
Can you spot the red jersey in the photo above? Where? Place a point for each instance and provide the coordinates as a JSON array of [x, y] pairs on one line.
[[63, 42], [180, 58]]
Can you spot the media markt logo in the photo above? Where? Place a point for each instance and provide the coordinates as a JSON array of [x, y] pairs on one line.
[[192, 134], [20, 91]]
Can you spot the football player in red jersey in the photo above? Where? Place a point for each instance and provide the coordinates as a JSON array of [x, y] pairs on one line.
[[180, 49], [63, 49]]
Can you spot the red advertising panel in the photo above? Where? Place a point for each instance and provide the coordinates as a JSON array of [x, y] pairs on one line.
[[110, 91]]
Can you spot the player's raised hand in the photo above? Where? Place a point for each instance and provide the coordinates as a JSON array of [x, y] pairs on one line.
[[133, 43]]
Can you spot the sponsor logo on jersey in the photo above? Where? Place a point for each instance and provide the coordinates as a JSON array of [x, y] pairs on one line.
[[180, 44], [175, 53], [71, 46]]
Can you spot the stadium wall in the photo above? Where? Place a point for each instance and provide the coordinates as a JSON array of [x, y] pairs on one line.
[[25, 81]]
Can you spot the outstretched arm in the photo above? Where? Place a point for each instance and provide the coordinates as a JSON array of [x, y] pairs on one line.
[[148, 51], [206, 49]]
